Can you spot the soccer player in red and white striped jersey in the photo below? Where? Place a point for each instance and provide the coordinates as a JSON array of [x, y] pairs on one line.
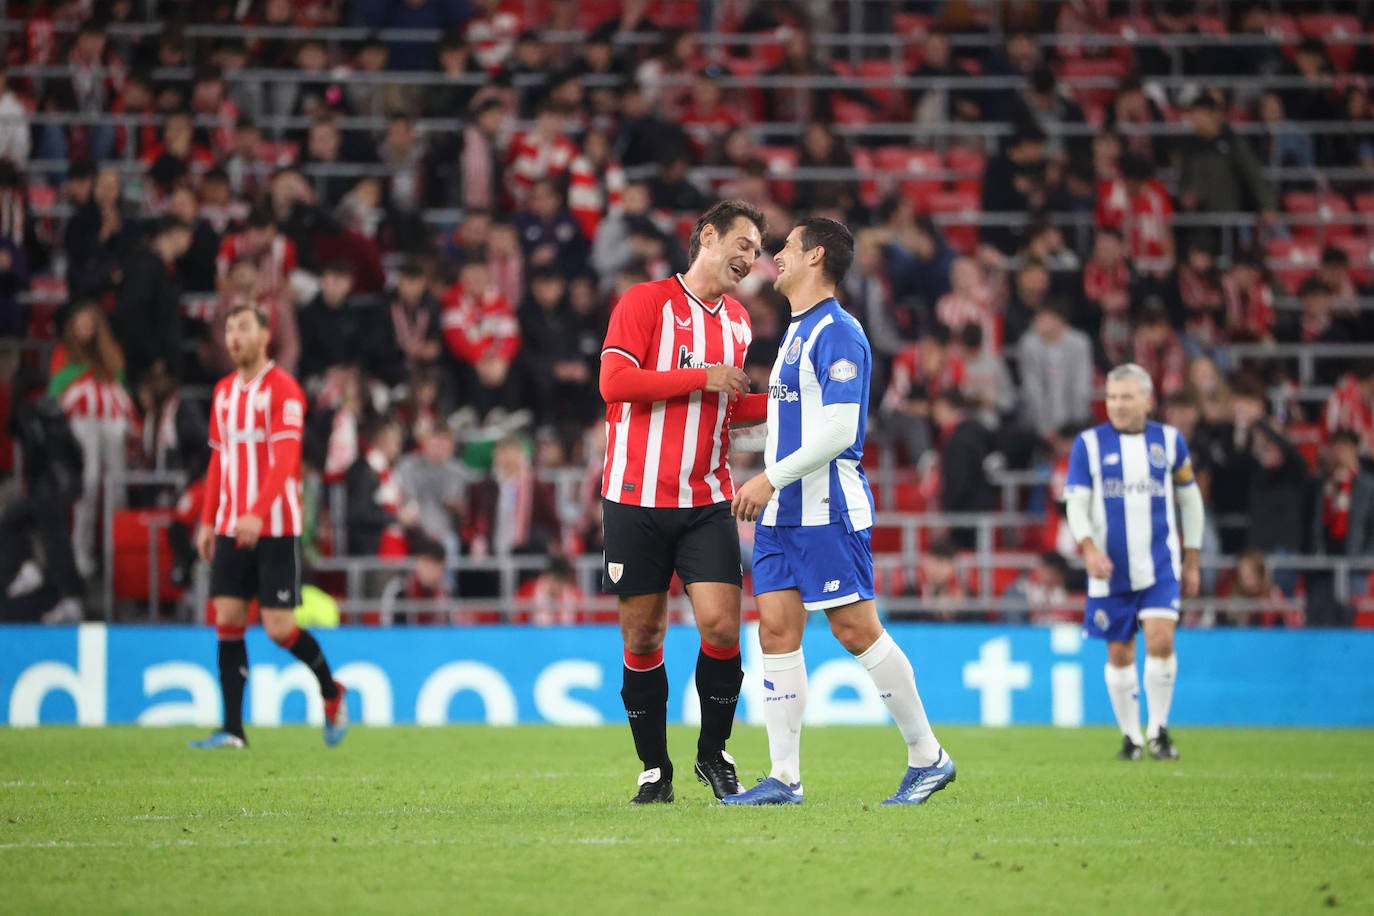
[[251, 522], [673, 381]]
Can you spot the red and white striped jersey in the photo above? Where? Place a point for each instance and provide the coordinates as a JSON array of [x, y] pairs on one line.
[[593, 190], [672, 453], [532, 158], [1348, 408], [246, 420], [274, 265]]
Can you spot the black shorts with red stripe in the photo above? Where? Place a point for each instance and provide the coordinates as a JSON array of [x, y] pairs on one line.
[[270, 572]]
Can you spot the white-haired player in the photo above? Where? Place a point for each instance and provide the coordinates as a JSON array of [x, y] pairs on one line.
[[1123, 478]]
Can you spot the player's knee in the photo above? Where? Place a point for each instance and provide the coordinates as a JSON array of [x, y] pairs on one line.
[[1159, 645], [1120, 654], [230, 613], [643, 636], [721, 632], [280, 627], [856, 637]]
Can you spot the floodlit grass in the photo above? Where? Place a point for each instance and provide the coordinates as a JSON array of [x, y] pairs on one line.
[[534, 819]]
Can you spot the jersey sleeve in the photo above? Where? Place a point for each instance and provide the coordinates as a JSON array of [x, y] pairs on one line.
[[631, 330], [842, 362], [216, 435], [1183, 462], [288, 412], [1079, 476]]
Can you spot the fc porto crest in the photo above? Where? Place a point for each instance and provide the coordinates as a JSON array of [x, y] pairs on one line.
[[1157, 459], [793, 352]]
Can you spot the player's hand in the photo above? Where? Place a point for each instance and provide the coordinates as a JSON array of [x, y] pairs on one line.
[[1192, 576], [205, 543], [1098, 563], [248, 530], [751, 498], [729, 379]]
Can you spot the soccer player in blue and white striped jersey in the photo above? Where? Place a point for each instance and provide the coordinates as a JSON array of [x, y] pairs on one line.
[[1124, 476], [815, 512]]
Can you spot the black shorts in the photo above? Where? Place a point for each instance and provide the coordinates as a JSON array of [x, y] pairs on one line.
[[644, 547], [270, 572]]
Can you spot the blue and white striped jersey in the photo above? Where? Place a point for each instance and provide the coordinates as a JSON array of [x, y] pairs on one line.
[[1131, 479], [824, 359]]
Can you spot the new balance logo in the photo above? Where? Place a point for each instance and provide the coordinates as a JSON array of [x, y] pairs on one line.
[[831, 586], [1111, 459]]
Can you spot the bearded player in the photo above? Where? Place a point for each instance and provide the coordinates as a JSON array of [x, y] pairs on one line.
[[672, 379], [250, 525]]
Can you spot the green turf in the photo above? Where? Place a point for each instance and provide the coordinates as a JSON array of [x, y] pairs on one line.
[[534, 820]]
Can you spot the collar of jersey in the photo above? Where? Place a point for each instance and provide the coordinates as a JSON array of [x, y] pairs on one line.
[[800, 315], [697, 299], [242, 385]]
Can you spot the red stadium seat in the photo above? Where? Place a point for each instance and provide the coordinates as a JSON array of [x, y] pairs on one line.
[[869, 193], [1337, 31], [913, 171], [1323, 215], [962, 236], [887, 96], [1308, 438], [132, 560], [1364, 205], [969, 165], [1283, 28], [782, 162], [1211, 25], [42, 198], [886, 539], [910, 497], [1292, 261], [1094, 68]]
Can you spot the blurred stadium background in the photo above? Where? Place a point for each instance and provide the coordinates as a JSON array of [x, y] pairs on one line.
[[439, 201]]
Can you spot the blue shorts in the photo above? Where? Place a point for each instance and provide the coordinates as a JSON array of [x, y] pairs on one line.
[[1116, 618], [829, 565]]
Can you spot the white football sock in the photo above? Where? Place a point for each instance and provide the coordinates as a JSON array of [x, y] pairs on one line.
[[784, 701], [1160, 674], [1123, 686], [892, 674]]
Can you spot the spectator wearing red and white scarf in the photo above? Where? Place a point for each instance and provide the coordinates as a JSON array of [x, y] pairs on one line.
[[1138, 205], [544, 151], [1159, 352], [513, 512], [377, 520], [1249, 302], [1107, 290], [553, 597], [596, 183], [1351, 406], [972, 300], [210, 99], [491, 33], [87, 372], [274, 253], [482, 335], [1204, 303]]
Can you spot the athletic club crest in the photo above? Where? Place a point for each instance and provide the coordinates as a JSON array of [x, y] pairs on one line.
[[793, 352], [741, 331], [615, 570], [1157, 455]]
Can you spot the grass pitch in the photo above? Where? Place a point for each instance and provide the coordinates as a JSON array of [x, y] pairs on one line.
[[535, 819]]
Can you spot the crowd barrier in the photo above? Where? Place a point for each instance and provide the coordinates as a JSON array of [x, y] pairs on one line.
[[98, 674]]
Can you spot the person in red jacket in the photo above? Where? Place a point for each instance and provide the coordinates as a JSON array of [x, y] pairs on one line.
[[482, 335]]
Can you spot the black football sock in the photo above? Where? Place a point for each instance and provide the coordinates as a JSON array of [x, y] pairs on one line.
[[719, 676], [233, 675], [645, 694], [305, 647]]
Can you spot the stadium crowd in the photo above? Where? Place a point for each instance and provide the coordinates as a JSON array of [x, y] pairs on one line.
[[438, 231]]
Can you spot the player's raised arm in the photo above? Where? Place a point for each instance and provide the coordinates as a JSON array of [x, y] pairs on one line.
[[624, 378]]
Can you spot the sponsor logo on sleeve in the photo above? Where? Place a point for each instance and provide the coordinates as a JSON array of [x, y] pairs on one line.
[[842, 370], [293, 413]]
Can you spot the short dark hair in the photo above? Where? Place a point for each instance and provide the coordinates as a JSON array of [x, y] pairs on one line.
[[722, 216], [1313, 286], [430, 549], [261, 218], [835, 239], [172, 224], [1346, 436], [971, 335], [412, 268], [256, 310], [338, 266], [1332, 256]]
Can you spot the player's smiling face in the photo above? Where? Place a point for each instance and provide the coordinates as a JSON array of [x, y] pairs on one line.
[[1128, 404], [734, 251], [789, 263]]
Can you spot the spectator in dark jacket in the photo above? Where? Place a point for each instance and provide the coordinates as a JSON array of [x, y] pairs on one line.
[[1218, 171], [98, 238], [548, 232], [964, 485], [333, 329], [1278, 495], [147, 318], [1342, 526], [409, 327], [1014, 182]]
